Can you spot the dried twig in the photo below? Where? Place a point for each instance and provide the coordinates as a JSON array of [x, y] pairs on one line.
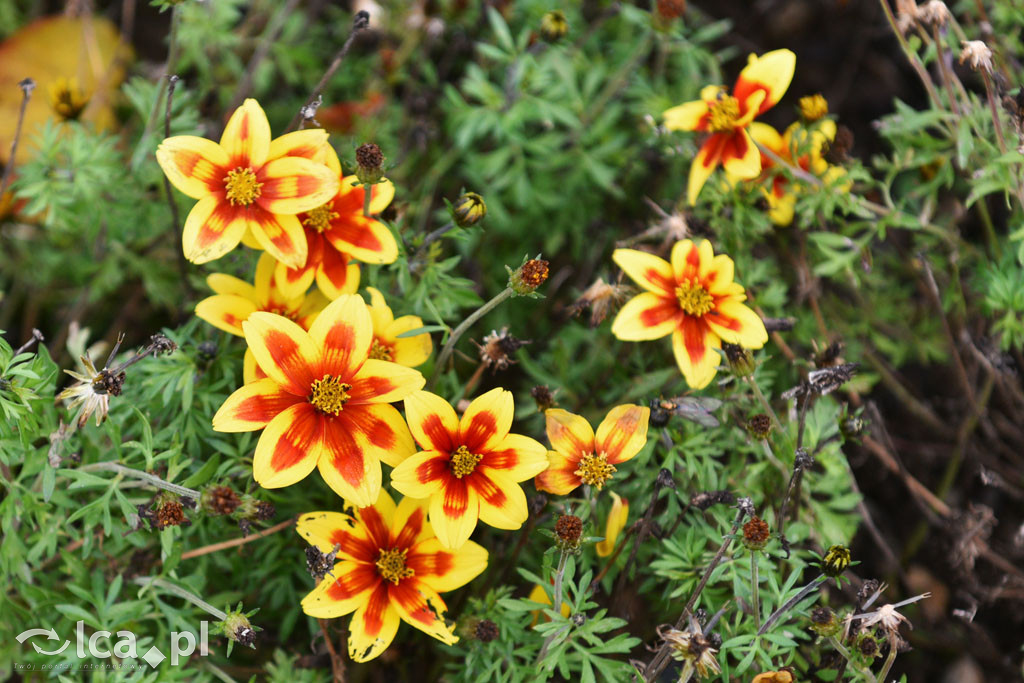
[[27, 85], [223, 545]]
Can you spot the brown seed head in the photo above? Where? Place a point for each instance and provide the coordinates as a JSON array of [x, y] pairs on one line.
[[824, 621], [838, 151], [759, 426], [755, 533], [219, 500], [486, 631], [369, 163], [531, 275], [543, 397], [170, 513], [497, 349], [569, 528]]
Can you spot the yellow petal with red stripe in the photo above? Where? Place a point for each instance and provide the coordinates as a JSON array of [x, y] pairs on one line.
[[616, 522], [645, 317], [409, 525], [380, 381], [308, 144], [422, 474], [292, 185], [280, 235], [647, 270], [738, 324], [487, 420], [559, 478], [337, 274], [772, 72], [433, 421], [246, 137], [253, 406], [194, 165], [373, 626], [454, 513], [517, 457], [502, 501], [212, 229], [694, 347], [622, 434], [343, 332], [283, 350], [569, 433], [250, 369], [226, 312], [421, 607], [741, 158], [445, 570], [686, 116], [342, 591], [289, 447]]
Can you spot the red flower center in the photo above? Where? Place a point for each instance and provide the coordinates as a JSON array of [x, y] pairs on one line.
[[694, 299], [241, 186]]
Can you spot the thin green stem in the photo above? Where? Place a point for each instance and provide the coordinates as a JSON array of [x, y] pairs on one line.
[[172, 57], [367, 198], [449, 347], [145, 476], [147, 581], [893, 648], [755, 589], [771, 411], [842, 650], [556, 604]]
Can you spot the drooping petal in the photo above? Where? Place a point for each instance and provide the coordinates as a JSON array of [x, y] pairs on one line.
[[221, 283], [253, 406], [559, 478], [380, 381], [569, 434], [694, 347], [350, 464], [709, 156], [343, 332], [420, 606], [517, 457], [646, 316], [194, 165], [487, 420], [373, 626], [737, 324], [454, 513], [246, 137], [622, 434], [616, 522], [212, 229], [308, 143], [502, 501], [289, 446], [772, 72], [740, 156], [326, 530], [433, 421], [226, 312], [409, 526], [337, 274], [445, 570], [283, 350], [422, 474], [281, 235], [686, 116], [647, 270], [409, 351], [292, 185], [347, 586]]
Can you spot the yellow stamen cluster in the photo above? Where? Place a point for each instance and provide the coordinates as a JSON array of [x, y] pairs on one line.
[[813, 107], [242, 189], [320, 218], [379, 351], [594, 470], [67, 98], [723, 113], [329, 395], [391, 566], [463, 462], [694, 299]]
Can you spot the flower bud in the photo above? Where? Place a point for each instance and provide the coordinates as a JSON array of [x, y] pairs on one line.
[[670, 9], [739, 360], [824, 622], [836, 560], [755, 534], [219, 500], [529, 276], [759, 426], [469, 209], [813, 107], [369, 164], [553, 26]]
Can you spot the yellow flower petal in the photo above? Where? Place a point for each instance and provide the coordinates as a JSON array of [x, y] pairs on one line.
[[194, 165], [373, 626], [246, 138], [225, 312], [569, 433], [647, 270], [694, 348], [646, 316], [737, 324], [617, 518], [771, 72], [622, 434], [686, 116]]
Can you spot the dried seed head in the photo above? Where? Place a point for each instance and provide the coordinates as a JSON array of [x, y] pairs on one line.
[[739, 359], [265, 510], [601, 297], [824, 622], [705, 499], [169, 513], [237, 628], [835, 561], [543, 397], [838, 151], [568, 530], [934, 12], [219, 500], [671, 9], [977, 54], [866, 645], [486, 631], [813, 107], [369, 163], [497, 349], [822, 382], [553, 26], [694, 646], [665, 479], [529, 276], [159, 343], [207, 350], [469, 209], [755, 533], [759, 426]]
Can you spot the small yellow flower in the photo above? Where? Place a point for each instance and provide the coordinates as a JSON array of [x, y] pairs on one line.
[[388, 344], [813, 107]]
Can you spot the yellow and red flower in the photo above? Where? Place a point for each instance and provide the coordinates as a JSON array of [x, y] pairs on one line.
[[337, 231], [324, 402], [469, 469], [726, 117], [390, 568], [582, 457], [802, 147], [616, 522], [387, 345], [694, 299], [247, 183]]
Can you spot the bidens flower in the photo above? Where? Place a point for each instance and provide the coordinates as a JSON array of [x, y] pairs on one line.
[[390, 568], [581, 457], [694, 299], [469, 468], [387, 342], [247, 183], [726, 116], [336, 232], [324, 402]]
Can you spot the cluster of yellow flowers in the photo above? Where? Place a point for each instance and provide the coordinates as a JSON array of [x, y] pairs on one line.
[[322, 371], [738, 143]]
